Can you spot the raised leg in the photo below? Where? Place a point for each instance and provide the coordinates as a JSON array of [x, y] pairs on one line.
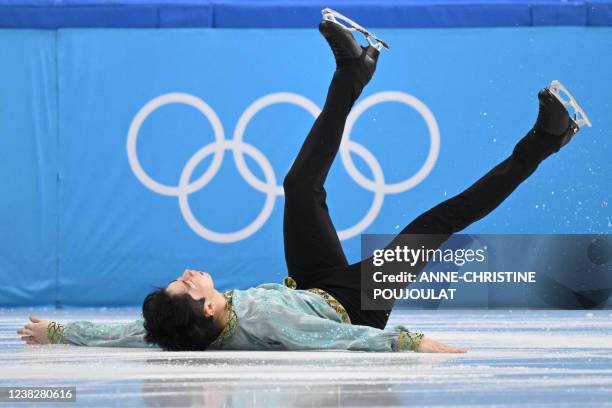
[[311, 241], [553, 129]]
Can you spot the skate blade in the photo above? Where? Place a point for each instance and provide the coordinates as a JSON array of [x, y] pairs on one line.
[[565, 97], [334, 16]]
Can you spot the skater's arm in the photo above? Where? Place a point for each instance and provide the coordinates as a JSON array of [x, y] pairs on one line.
[[85, 333], [297, 331], [317, 333], [286, 329]]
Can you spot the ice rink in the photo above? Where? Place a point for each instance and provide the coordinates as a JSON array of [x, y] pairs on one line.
[[515, 358]]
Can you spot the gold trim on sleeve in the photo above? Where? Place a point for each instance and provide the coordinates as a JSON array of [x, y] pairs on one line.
[[55, 332], [407, 340]]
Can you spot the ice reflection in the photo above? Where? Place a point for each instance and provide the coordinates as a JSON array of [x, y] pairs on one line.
[[291, 393]]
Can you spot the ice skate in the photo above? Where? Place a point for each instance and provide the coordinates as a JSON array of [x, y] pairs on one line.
[[566, 98], [334, 16], [341, 42], [348, 52], [554, 118]]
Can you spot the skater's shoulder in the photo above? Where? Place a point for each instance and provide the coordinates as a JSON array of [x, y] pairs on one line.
[[270, 286], [261, 289], [255, 294]]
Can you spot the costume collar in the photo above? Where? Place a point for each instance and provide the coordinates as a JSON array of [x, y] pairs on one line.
[[232, 322]]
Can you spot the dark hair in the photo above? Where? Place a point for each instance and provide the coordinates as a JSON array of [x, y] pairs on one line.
[[177, 322]]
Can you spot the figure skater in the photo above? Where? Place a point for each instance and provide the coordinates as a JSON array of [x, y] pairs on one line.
[[318, 307]]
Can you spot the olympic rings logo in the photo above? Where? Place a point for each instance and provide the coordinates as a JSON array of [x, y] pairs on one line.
[[269, 186]]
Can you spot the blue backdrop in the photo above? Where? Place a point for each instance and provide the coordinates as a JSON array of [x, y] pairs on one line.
[[82, 225]]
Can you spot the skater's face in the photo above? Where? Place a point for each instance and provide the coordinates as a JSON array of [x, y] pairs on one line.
[[195, 283]]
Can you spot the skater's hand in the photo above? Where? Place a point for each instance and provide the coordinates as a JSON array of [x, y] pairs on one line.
[[429, 345], [35, 331]]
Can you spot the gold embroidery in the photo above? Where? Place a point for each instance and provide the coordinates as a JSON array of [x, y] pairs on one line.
[[55, 332], [232, 323], [337, 306], [290, 282], [331, 301], [407, 340]]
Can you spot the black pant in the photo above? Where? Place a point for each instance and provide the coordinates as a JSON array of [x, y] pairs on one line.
[[313, 251]]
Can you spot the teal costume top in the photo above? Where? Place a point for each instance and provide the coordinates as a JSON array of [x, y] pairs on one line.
[[267, 317]]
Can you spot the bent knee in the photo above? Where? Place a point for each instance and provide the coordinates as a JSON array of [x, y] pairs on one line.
[[291, 182]]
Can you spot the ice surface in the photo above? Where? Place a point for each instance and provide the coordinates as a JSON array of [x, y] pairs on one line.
[[515, 358]]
